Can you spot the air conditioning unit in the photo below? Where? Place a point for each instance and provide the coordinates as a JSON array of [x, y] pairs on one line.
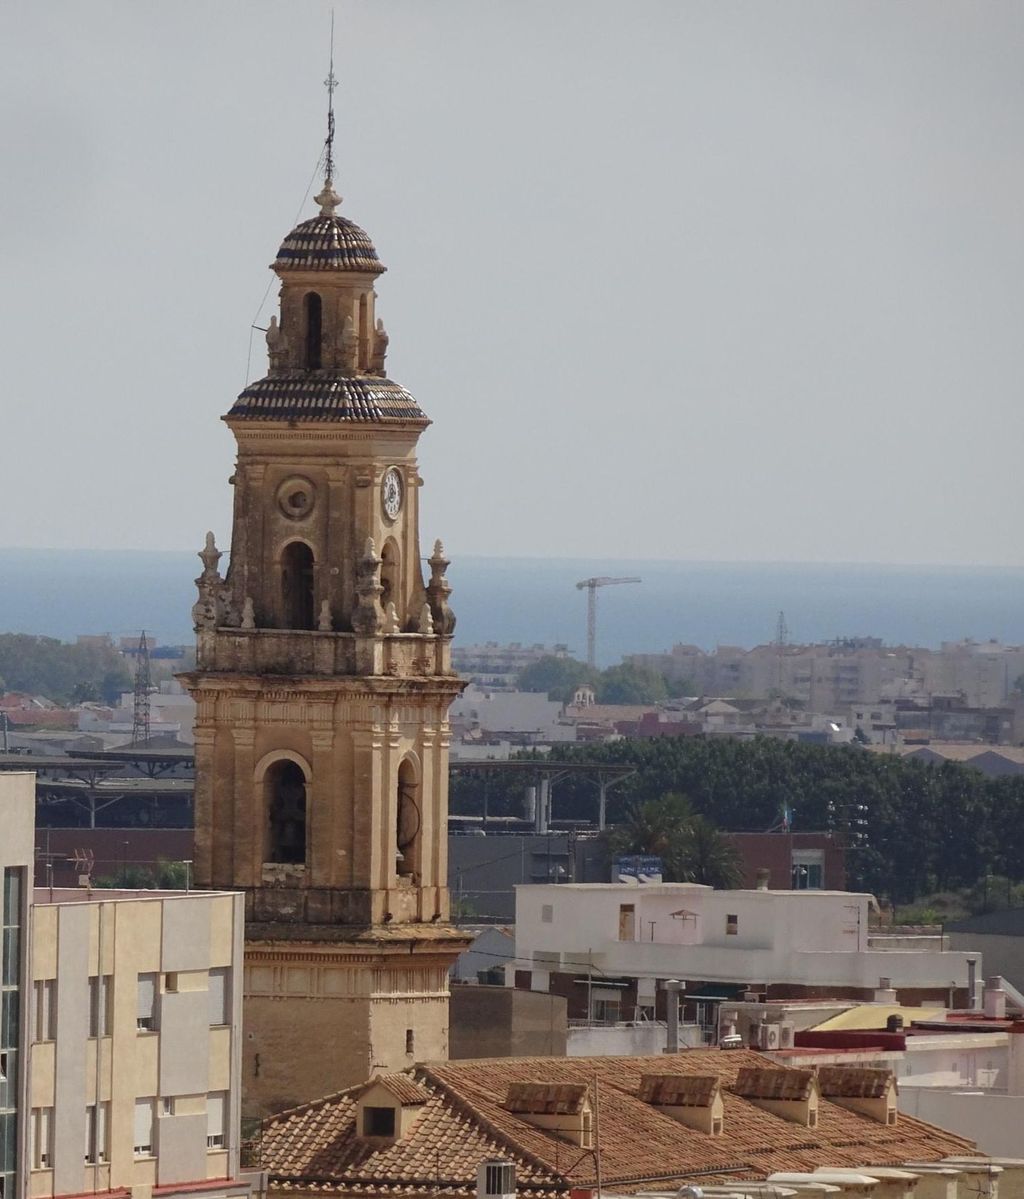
[[496, 1180], [769, 1036], [787, 1029]]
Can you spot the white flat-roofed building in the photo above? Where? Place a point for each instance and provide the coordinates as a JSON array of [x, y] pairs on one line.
[[776, 943]]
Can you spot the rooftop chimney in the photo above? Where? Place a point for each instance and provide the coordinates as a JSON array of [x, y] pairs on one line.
[[995, 998], [672, 988], [885, 992], [762, 877]]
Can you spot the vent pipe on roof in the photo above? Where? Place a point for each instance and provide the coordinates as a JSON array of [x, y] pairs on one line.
[[672, 988], [972, 984], [762, 877], [496, 1179], [995, 998], [885, 993]]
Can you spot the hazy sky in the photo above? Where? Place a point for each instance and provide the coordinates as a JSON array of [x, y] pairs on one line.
[[679, 280]]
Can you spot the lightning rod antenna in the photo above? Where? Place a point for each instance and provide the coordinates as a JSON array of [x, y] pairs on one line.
[[331, 82]]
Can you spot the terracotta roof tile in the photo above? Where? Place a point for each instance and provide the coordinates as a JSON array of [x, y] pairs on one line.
[[406, 1090], [854, 1082], [760, 1082], [544, 1098], [316, 1147], [675, 1090], [325, 396]]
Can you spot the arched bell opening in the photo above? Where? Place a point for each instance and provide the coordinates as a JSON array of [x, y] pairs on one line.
[[284, 789], [409, 822], [314, 323], [298, 600], [390, 577]]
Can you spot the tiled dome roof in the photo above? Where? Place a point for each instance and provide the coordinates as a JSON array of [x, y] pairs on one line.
[[328, 243], [316, 396]]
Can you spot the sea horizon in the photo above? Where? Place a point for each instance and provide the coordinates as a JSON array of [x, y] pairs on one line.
[[64, 593]]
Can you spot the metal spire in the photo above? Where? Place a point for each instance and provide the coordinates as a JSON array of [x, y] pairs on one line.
[[329, 199]]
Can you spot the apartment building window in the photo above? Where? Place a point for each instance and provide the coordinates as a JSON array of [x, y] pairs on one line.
[[45, 1009], [101, 1007], [146, 1018], [97, 1132], [410, 1041], [216, 1119], [808, 869], [42, 1138], [10, 1011], [732, 925], [143, 1127], [219, 996]]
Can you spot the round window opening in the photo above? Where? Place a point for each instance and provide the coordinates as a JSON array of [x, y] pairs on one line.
[[295, 498]]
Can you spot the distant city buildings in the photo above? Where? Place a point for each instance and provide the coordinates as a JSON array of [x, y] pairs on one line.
[[497, 667]]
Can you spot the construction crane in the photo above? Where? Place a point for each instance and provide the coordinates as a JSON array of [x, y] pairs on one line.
[[591, 586]]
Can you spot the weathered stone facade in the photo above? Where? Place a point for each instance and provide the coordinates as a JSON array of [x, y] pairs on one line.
[[322, 684]]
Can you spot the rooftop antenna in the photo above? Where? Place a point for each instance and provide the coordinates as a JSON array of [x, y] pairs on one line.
[[329, 199], [331, 82]]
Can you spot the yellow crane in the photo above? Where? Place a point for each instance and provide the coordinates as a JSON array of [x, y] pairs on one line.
[[591, 586]]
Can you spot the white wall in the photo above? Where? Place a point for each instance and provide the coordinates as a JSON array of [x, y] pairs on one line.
[[798, 937], [993, 1121]]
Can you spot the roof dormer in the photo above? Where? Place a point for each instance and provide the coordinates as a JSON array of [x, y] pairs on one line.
[[694, 1100], [387, 1107], [561, 1108], [791, 1094], [871, 1092]]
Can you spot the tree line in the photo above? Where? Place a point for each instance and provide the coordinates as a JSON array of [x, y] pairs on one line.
[[65, 673], [910, 828]]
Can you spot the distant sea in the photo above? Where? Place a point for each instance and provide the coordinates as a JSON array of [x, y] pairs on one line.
[[64, 593]]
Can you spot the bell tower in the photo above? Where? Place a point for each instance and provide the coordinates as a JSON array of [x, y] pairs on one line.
[[323, 680]]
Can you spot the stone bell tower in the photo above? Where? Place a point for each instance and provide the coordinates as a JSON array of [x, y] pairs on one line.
[[323, 681]]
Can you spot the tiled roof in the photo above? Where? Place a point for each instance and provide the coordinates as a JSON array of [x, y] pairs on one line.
[[328, 243], [761, 1082], [325, 396], [853, 1082], [405, 1089], [679, 1090], [546, 1098], [317, 1146]]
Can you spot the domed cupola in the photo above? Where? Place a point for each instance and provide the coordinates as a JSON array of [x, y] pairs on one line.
[[328, 348], [328, 243]]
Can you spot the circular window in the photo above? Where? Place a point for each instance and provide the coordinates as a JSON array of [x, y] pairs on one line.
[[295, 497]]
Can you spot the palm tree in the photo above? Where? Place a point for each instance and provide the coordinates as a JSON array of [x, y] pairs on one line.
[[712, 858], [691, 849]]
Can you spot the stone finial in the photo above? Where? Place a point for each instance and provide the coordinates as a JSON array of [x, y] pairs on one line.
[[349, 345], [380, 349], [426, 621], [248, 614], [438, 591], [210, 557], [368, 617], [328, 199], [326, 622], [391, 624]]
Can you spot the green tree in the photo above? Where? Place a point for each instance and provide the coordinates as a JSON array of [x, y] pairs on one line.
[[559, 677], [711, 857], [631, 684]]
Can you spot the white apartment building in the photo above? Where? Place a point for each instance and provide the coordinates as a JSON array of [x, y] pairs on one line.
[[627, 939], [126, 1075]]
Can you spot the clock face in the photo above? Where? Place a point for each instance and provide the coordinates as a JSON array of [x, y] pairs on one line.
[[391, 492]]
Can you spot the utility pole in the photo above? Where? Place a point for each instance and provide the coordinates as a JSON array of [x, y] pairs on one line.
[[591, 586]]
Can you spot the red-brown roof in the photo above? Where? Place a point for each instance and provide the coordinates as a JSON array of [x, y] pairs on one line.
[[317, 1146]]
